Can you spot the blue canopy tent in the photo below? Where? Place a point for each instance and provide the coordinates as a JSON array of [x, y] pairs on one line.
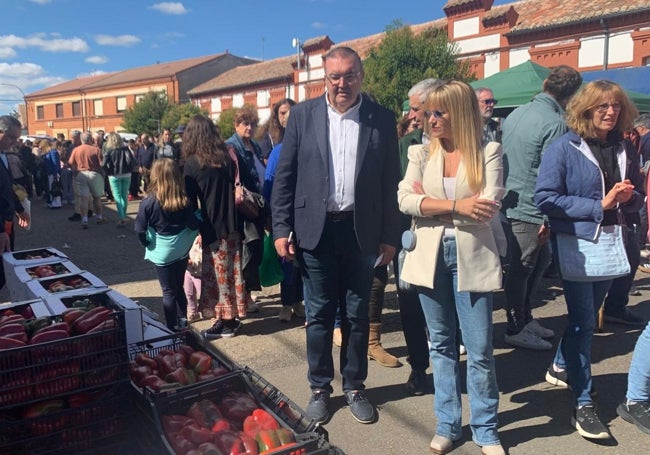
[[636, 79]]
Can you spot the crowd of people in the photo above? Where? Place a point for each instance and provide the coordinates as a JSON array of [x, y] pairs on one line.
[[480, 204]]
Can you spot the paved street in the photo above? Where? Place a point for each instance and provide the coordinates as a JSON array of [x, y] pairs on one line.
[[534, 416]]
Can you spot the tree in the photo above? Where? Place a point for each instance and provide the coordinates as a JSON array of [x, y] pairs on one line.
[[146, 115], [404, 58], [180, 114]]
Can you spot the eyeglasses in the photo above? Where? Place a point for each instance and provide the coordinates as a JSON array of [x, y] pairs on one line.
[[436, 114], [490, 101], [348, 78], [603, 108]]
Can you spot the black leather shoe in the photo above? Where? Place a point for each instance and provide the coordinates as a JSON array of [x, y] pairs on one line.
[[75, 217], [317, 409], [418, 383], [362, 410]]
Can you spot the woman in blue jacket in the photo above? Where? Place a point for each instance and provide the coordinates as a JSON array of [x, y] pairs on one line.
[[586, 178]]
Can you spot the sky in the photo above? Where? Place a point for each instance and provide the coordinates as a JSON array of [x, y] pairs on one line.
[[46, 42]]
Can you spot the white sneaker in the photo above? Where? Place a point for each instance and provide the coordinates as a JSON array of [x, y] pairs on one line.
[[528, 340], [539, 330], [253, 307], [285, 313]]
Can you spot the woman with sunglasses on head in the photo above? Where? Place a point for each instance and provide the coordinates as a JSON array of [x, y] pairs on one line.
[[586, 183], [452, 187]]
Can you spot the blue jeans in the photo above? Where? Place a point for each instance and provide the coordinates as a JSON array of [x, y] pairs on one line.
[[528, 260], [474, 309], [638, 379], [583, 299], [337, 275], [120, 188]]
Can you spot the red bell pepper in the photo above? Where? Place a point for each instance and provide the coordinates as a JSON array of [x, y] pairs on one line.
[[173, 423], [200, 362], [236, 406], [231, 443], [197, 434], [259, 420]]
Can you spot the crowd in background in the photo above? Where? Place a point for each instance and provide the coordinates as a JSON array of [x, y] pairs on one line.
[[481, 204]]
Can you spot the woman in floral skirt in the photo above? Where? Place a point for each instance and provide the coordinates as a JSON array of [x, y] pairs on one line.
[[210, 183]]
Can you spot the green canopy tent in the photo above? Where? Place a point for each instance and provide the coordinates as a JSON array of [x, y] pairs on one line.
[[518, 85]]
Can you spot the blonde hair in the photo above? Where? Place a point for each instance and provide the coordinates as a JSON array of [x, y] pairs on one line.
[[113, 141], [459, 100], [44, 146], [167, 185], [581, 108]]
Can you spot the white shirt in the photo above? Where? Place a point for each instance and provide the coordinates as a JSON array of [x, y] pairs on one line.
[[343, 144]]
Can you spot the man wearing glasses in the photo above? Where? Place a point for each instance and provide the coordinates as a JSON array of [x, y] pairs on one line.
[[527, 131], [486, 103], [334, 207]]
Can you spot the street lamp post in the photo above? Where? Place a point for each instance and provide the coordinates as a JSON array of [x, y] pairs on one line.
[[24, 101]]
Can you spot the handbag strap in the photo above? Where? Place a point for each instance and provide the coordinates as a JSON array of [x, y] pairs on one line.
[[233, 156]]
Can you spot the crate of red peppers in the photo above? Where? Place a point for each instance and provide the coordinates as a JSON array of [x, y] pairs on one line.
[[227, 416], [80, 422], [48, 356], [173, 363], [283, 407]]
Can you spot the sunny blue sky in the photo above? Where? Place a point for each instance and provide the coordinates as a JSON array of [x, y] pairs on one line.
[[45, 42]]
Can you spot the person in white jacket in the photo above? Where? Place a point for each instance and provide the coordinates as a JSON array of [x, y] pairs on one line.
[[453, 187]]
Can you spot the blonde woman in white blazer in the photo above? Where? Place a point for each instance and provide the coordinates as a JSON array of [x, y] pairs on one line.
[[452, 187]]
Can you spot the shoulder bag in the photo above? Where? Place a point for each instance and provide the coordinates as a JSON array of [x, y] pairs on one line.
[[248, 203], [599, 260]]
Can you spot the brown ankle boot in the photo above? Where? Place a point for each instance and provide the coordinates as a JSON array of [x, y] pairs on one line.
[[375, 350]]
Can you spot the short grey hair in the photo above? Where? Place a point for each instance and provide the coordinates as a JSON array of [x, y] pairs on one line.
[[8, 122], [423, 88], [642, 121], [86, 138], [479, 90]]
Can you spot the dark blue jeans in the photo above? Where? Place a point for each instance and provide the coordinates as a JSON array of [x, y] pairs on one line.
[[171, 278], [618, 295], [291, 285], [337, 275]]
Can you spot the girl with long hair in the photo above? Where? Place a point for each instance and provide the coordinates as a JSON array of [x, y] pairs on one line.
[[166, 225]]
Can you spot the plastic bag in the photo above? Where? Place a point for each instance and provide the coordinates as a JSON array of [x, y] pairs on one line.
[[270, 269]]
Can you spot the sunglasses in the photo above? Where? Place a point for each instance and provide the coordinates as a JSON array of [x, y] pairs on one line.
[[436, 114], [491, 101]]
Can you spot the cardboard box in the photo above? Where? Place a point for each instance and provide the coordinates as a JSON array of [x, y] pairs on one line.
[[39, 288], [23, 276], [14, 259], [59, 302]]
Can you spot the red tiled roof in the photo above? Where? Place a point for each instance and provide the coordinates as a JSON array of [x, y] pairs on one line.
[[73, 85], [132, 75], [536, 14], [256, 73]]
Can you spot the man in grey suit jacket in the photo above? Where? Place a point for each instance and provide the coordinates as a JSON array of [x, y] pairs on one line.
[[334, 205]]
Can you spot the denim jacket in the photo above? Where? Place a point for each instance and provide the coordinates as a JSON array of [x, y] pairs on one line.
[[570, 186]]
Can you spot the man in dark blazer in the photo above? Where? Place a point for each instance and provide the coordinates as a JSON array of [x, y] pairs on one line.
[[334, 205]]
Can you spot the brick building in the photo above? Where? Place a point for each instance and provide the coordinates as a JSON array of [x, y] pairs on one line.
[[97, 102]]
